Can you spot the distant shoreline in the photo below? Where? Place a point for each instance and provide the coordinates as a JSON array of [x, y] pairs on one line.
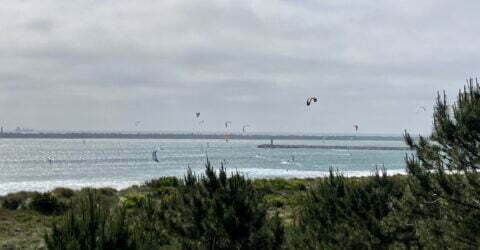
[[90, 135]]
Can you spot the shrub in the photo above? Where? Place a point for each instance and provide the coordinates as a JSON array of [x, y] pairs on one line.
[[167, 194], [276, 233], [148, 228], [105, 196], [279, 185], [11, 203], [109, 192], [163, 182], [46, 203], [219, 212], [133, 200], [14, 201], [274, 201], [351, 214], [91, 226], [63, 192], [296, 199]]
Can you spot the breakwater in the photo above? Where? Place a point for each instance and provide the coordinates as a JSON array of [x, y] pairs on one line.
[[284, 146]]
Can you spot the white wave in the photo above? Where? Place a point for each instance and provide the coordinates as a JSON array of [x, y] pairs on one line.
[[255, 173], [295, 173]]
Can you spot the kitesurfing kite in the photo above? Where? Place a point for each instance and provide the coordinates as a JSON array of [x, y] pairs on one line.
[[154, 156], [310, 99]]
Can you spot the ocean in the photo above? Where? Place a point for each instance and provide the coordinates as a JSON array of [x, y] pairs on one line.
[[43, 164]]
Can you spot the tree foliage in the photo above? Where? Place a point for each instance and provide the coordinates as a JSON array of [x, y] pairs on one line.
[[217, 211], [353, 214], [91, 227], [444, 172]]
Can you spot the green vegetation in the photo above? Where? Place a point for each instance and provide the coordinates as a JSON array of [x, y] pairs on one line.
[[15, 201], [47, 203], [435, 206], [354, 214], [91, 226], [444, 174]]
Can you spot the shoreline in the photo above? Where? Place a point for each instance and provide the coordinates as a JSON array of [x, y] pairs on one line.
[[121, 186]]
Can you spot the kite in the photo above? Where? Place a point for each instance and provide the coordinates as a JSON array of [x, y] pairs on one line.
[[310, 99]]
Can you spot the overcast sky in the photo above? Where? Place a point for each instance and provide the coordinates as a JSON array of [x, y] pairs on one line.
[[102, 65]]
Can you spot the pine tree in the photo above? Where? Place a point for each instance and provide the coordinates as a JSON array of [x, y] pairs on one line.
[[349, 213], [220, 212], [91, 227], [444, 172]]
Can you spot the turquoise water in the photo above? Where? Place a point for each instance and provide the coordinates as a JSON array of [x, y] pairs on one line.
[[42, 164]]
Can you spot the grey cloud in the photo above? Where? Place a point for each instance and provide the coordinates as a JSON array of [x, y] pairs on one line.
[[40, 25], [100, 64]]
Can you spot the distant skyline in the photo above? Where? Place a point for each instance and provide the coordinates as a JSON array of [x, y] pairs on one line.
[[104, 65]]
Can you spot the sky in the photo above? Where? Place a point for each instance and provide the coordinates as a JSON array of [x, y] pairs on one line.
[[104, 64]]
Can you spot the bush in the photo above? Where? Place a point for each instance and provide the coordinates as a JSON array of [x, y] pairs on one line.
[[167, 194], [163, 182], [133, 200], [106, 196], [352, 214], [46, 203], [16, 200], [296, 199], [149, 229], [11, 203], [91, 226], [279, 185], [108, 192], [219, 212], [63, 192], [274, 201]]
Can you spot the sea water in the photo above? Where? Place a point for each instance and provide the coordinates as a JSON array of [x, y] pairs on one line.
[[43, 164]]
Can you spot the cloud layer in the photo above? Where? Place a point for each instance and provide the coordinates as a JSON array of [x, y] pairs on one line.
[[105, 64]]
